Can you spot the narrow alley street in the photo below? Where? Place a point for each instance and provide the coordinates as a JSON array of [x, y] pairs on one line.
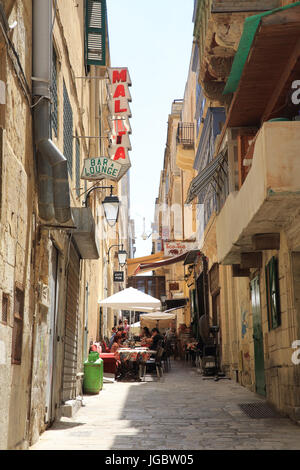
[[182, 411]]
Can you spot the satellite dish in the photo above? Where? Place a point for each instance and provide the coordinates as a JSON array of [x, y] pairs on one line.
[[204, 328]]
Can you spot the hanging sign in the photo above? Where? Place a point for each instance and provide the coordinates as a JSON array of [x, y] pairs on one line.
[[117, 163], [100, 168], [174, 248], [119, 98], [118, 276]]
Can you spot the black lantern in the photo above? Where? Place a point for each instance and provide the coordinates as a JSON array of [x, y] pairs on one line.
[[111, 209]]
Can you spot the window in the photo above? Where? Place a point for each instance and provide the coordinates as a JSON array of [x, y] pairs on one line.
[[18, 326], [1, 164], [5, 308], [77, 169], [54, 105], [272, 293], [68, 130], [95, 32]]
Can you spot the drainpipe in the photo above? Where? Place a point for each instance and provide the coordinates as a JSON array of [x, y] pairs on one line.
[[53, 184]]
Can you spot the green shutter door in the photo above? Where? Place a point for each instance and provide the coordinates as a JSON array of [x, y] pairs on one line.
[[258, 339], [95, 32]]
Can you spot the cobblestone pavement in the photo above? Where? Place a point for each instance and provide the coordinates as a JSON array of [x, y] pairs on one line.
[[182, 411]]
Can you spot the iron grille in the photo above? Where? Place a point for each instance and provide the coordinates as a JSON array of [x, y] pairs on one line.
[[258, 410], [185, 134], [5, 300], [68, 130], [77, 168], [54, 106]]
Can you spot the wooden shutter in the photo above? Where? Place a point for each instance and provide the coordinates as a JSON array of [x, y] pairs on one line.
[[95, 32], [17, 337], [71, 327], [272, 293]]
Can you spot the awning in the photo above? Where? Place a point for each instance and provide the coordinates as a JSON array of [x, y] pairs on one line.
[[265, 66], [191, 257], [133, 263], [205, 177], [173, 304], [143, 267]]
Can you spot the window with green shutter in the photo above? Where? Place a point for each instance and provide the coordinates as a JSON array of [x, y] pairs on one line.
[[272, 293], [95, 32]]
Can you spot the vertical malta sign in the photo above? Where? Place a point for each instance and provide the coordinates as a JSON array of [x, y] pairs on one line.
[[117, 163], [120, 113]]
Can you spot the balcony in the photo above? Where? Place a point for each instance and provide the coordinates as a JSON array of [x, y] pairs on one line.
[[185, 145], [218, 27], [232, 6], [269, 197]]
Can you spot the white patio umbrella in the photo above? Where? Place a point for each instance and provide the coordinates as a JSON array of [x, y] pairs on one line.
[[157, 319], [131, 299], [135, 327]]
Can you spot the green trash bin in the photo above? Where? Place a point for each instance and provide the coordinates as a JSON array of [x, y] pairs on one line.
[[93, 374]]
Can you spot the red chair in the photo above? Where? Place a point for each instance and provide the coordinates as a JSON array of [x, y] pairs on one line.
[[109, 362]]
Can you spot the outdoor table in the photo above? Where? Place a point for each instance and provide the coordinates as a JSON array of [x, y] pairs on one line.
[[130, 359]]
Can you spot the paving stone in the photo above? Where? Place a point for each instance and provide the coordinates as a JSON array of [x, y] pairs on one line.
[[180, 412]]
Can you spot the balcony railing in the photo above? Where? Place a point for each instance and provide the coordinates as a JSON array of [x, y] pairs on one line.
[[185, 134]]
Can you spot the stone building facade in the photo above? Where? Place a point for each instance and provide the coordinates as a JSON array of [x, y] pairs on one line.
[[249, 241], [54, 239]]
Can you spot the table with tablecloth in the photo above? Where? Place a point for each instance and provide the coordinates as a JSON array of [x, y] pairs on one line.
[[129, 361]]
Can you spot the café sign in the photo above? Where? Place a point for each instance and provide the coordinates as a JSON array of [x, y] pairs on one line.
[[177, 248], [100, 168], [118, 276]]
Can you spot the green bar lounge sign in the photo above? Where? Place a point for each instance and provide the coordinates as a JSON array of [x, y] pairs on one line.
[[95, 168]]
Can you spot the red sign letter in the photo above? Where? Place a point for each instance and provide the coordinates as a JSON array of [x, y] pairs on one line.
[[118, 107], [120, 153], [119, 76], [120, 91]]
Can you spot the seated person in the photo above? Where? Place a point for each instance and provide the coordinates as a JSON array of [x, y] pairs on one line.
[[116, 344], [114, 331], [145, 337], [156, 337], [104, 347], [145, 333]]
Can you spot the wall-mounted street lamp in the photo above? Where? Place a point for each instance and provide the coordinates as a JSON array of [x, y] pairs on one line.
[[122, 255], [110, 205]]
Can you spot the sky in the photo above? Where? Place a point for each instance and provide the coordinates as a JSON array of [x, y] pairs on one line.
[[154, 40]]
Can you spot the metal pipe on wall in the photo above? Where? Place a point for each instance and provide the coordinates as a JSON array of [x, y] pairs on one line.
[[53, 184]]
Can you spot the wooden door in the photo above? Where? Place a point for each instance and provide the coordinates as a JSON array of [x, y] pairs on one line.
[[258, 338]]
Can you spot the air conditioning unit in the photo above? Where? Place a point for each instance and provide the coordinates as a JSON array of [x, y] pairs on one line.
[[44, 295]]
